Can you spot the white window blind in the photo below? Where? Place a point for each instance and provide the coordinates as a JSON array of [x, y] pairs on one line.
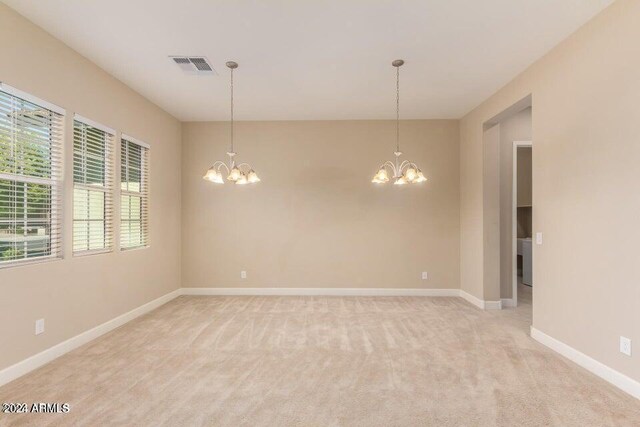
[[31, 135], [92, 187], [134, 194]]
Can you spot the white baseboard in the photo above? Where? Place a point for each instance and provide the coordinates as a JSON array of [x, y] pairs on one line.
[[481, 304], [493, 305], [508, 302], [616, 378], [17, 370], [484, 305], [324, 291]]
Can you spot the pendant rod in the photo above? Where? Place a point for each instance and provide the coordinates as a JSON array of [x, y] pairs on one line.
[[398, 109], [231, 110]]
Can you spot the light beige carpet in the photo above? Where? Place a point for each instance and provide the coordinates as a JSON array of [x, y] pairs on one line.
[[321, 361]]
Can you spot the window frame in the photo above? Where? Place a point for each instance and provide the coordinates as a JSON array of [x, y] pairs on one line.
[[55, 182], [143, 194], [108, 189]]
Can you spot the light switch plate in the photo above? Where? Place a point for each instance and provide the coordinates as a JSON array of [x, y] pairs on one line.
[[243, 274], [39, 326], [425, 275], [625, 346], [538, 238]]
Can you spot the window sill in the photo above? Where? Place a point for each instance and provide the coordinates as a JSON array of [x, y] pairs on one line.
[[81, 254], [29, 262], [134, 248]]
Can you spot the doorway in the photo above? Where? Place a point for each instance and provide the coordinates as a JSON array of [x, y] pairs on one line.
[[499, 192], [522, 224]]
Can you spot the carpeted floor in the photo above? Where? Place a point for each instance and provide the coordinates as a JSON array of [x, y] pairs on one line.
[[321, 361]]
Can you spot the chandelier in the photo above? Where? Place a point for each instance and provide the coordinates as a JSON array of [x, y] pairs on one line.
[[240, 173], [404, 172]]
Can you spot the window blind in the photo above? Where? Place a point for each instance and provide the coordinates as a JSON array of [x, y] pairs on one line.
[[134, 193], [31, 135], [92, 187]]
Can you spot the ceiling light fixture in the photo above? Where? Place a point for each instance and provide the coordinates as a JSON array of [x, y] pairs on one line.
[[404, 172], [241, 173]]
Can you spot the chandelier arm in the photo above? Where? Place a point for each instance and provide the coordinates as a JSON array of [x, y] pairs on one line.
[[404, 164], [220, 164], [390, 165], [244, 164]]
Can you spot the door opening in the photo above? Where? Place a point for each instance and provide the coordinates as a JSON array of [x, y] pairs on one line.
[[522, 222]]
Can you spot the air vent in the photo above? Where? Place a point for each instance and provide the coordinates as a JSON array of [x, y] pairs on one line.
[[193, 64]]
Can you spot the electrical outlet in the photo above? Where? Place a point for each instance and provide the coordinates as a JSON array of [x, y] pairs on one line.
[[538, 238], [625, 346], [243, 274], [425, 275], [39, 326]]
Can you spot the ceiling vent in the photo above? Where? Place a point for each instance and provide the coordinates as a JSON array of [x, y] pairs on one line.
[[194, 64]]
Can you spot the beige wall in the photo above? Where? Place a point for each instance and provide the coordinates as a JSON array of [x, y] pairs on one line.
[[586, 128], [491, 210], [316, 220], [76, 294], [514, 128]]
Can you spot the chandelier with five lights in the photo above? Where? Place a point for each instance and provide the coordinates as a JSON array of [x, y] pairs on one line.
[[239, 173], [405, 172]]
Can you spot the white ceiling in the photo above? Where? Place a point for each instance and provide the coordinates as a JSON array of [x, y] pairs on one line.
[[314, 59]]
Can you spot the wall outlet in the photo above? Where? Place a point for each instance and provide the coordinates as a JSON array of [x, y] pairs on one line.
[[538, 238], [243, 274], [625, 346], [39, 326], [425, 275]]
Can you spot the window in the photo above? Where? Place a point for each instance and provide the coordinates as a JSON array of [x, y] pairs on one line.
[[31, 134], [92, 187], [134, 195]]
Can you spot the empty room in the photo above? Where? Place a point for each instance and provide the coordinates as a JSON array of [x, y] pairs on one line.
[[319, 213]]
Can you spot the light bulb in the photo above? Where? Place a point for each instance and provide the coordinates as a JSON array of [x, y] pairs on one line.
[[253, 177], [210, 175], [242, 180], [410, 174], [420, 177], [400, 181], [234, 175]]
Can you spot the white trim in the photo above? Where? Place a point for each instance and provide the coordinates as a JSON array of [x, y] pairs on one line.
[[324, 291], [33, 99], [21, 368], [94, 124], [473, 300], [30, 261], [80, 254], [134, 248], [493, 305], [481, 304], [514, 219], [614, 377], [134, 140], [418, 292], [508, 302]]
